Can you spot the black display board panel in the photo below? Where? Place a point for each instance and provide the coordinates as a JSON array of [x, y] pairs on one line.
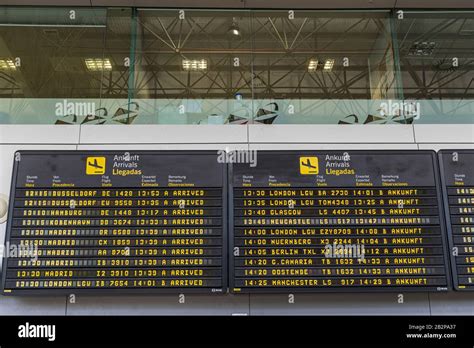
[[119, 199], [336, 171], [457, 177]]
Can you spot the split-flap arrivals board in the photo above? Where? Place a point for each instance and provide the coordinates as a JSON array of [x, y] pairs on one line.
[[337, 220], [457, 175], [105, 222]]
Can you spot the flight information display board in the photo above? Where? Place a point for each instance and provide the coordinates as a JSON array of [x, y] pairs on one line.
[[337, 221], [457, 176], [122, 222]]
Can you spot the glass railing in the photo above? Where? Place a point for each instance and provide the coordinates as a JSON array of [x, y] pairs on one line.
[[222, 112]]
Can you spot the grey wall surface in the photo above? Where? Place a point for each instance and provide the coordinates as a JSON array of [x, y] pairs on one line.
[[292, 137]]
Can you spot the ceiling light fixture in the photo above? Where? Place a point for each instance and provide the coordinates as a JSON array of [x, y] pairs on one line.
[[234, 28], [313, 65], [422, 48], [194, 64], [7, 64], [328, 65], [98, 64]]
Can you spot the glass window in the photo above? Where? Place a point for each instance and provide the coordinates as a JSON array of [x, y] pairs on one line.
[[437, 64], [115, 104], [193, 67], [48, 55], [323, 67], [180, 66], [436, 54]]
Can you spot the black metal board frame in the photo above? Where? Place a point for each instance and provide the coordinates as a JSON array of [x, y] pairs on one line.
[[449, 226], [118, 291], [343, 289]]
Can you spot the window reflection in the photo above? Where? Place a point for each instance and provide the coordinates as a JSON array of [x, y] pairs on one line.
[[175, 66]]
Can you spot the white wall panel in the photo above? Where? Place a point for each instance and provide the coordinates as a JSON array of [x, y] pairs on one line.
[[159, 147], [322, 134], [353, 146], [163, 134], [39, 134], [445, 146], [444, 133], [452, 303], [340, 304], [160, 305]]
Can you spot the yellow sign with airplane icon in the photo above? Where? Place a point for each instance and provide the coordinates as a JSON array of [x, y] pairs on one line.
[[95, 165], [309, 165]]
